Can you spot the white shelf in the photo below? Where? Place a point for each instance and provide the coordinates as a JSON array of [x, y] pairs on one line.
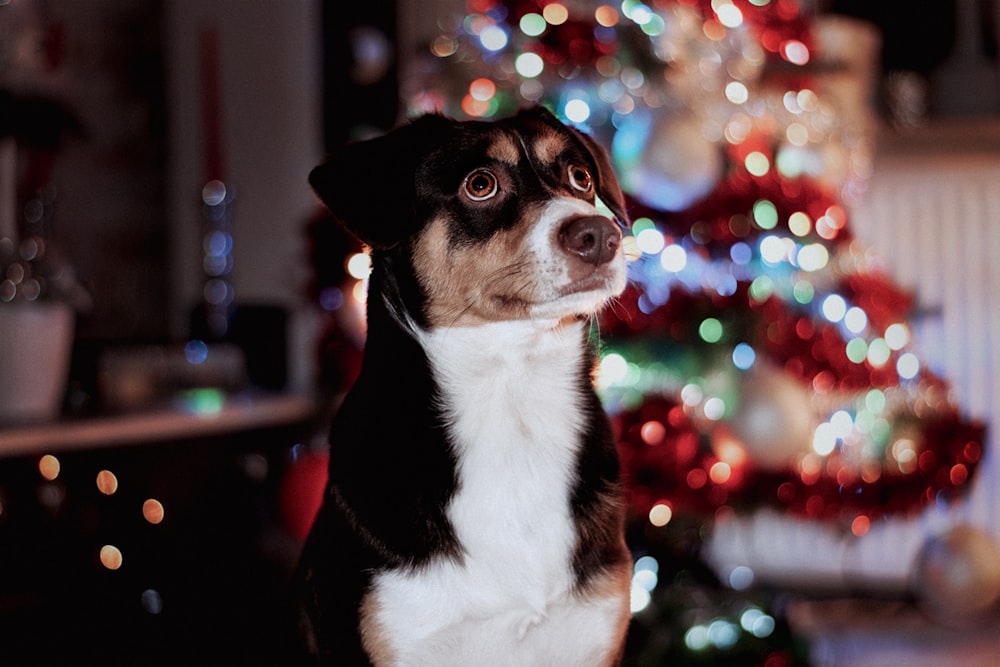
[[239, 413]]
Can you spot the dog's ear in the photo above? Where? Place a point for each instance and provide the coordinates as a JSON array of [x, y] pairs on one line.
[[370, 186], [608, 188]]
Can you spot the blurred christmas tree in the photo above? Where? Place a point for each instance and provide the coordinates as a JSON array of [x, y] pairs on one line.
[[759, 357]]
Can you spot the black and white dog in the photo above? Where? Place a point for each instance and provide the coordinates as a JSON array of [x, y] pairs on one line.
[[473, 515]]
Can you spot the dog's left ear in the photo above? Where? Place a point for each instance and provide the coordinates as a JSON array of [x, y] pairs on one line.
[[370, 186], [608, 188]]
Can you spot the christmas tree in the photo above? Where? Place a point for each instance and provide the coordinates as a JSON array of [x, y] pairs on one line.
[[760, 357]]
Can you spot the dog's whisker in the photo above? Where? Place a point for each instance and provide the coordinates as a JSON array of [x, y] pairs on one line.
[[620, 311]]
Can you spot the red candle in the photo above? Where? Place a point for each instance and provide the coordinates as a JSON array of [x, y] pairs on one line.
[[211, 106]]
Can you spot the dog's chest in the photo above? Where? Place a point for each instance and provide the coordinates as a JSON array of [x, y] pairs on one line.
[[512, 400], [513, 405]]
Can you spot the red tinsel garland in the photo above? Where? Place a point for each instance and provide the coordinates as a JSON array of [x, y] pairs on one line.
[[676, 469]]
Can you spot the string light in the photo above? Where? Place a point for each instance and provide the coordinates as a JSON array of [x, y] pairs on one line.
[[152, 511], [555, 13], [111, 557], [107, 482], [756, 274], [49, 467]]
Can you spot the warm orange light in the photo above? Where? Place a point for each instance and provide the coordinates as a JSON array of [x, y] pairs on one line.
[[482, 89], [871, 472], [652, 432], [728, 448], [720, 472], [607, 16], [49, 467], [555, 13], [838, 216], [959, 473], [107, 483], [810, 469], [360, 292], [714, 30], [152, 511], [111, 557], [860, 525], [473, 107], [846, 476]]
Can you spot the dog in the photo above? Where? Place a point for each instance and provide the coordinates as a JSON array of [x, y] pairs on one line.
[[473, 514]]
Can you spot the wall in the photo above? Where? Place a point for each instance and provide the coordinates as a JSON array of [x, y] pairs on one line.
[[102, 181], [270, 137], [933, 214]]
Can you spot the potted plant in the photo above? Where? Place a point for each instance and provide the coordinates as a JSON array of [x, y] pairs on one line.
[[38, 292]]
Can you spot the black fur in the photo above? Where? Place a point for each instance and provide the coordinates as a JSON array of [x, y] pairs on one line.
[[392, 468], [391, 475]]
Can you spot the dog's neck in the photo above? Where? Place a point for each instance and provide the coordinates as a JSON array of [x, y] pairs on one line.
[[493, 348]]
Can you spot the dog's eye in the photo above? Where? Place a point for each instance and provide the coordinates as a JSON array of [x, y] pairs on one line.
[[481, 185], [580, 178]]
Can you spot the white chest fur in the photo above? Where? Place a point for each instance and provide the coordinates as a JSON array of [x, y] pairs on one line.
[[510, 392]]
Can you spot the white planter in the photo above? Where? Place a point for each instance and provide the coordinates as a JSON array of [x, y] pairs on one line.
[[35, 344]]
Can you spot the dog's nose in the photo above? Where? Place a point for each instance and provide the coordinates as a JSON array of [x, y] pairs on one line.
[[595, 239]]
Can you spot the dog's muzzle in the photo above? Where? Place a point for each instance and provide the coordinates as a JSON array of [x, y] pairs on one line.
[[594, 239]]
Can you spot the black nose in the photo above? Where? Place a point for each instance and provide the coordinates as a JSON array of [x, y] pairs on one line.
[[595, 239]]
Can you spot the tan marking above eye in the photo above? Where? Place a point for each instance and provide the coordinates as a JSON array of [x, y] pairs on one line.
[[504, 149], [480, 185], [580, 178], [548, 146]]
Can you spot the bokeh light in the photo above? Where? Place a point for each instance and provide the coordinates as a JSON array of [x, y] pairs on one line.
[[555, 13], [533, 24], [152, 511], [111, 557], [49, 467], [107, 482], [529, 65]]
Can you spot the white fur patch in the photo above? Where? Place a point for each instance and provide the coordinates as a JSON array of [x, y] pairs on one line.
[[509, 390]]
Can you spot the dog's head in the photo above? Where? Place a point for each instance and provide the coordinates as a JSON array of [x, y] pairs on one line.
[[496, 221]]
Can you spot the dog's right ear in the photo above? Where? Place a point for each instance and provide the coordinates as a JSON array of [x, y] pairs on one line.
[[370, 186]]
